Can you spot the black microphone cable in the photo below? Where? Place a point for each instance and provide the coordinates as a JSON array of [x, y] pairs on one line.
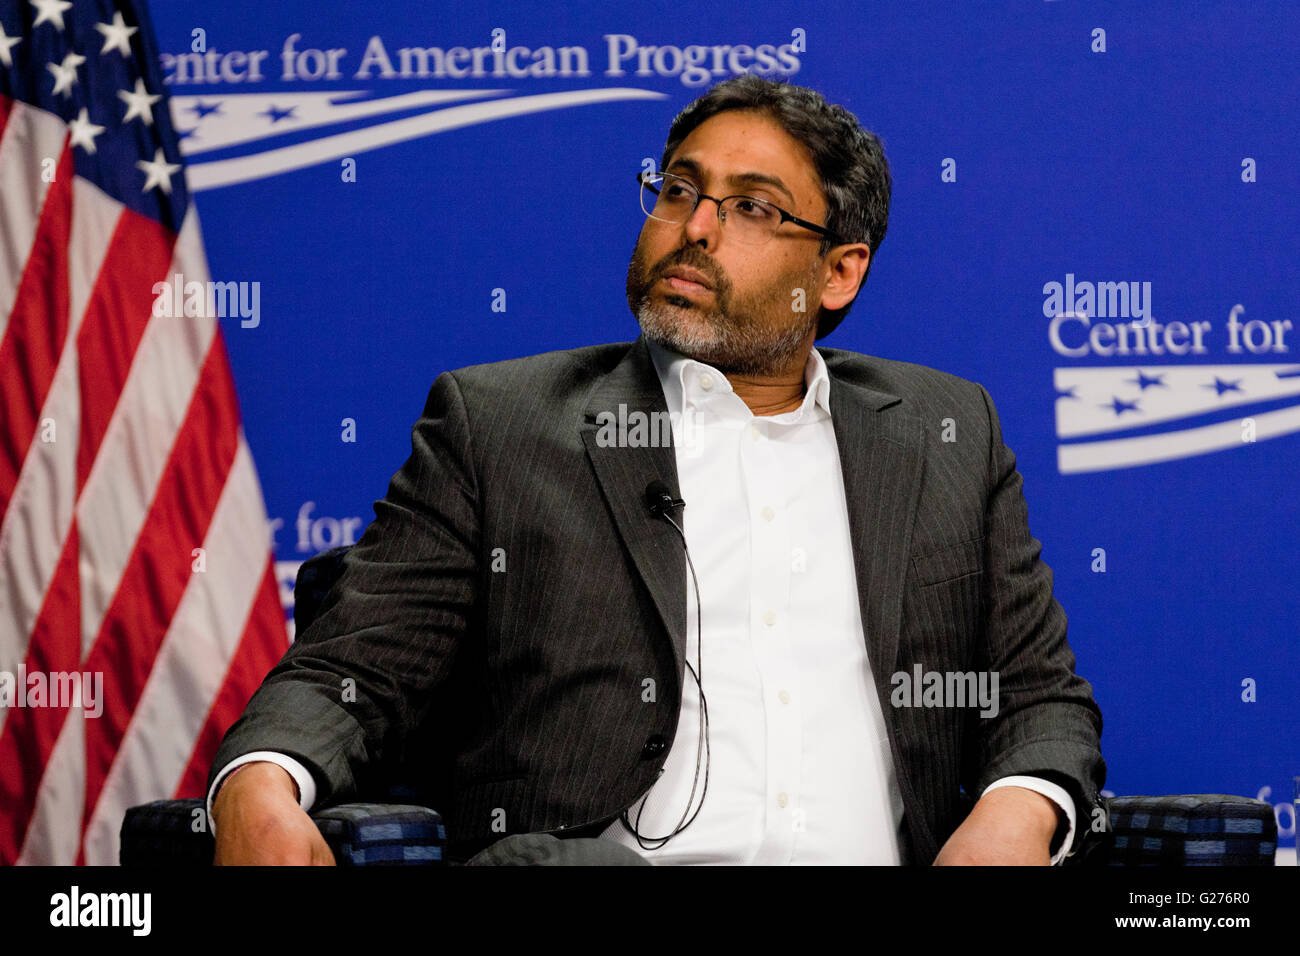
[[661, 504]]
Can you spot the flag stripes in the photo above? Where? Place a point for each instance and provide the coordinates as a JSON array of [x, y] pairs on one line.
[[133, 539]]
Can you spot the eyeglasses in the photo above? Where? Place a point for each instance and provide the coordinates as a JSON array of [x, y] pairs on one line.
[[747, 220]]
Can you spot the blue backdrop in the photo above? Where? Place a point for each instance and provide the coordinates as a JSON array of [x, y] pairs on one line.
[[1139, 157]]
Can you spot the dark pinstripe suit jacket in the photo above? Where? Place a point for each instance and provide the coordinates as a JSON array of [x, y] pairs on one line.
[[514, 593]]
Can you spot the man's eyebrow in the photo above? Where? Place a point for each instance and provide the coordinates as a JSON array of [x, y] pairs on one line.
[[735, 179]]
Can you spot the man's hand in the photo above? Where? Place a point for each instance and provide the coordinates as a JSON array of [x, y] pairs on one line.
[[1009, 826], [259, 821]]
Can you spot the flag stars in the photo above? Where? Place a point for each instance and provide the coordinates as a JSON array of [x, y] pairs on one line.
[[1067, 392], [157, 173], [65, 73], [117, 35], [138, 103], [203, 110], [83, 131], [1221, 386], [1143, 380], [50, 11], [7, 43], [1119, 406], [277, 114]]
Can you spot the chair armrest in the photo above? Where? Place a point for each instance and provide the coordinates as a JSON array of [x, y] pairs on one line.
[[175, 833], [1198, 829], [383, 834]]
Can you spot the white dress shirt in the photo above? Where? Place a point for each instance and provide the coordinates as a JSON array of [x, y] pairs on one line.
[[800, 770]]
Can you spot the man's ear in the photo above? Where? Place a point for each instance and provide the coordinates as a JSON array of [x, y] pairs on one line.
[[847, 264]]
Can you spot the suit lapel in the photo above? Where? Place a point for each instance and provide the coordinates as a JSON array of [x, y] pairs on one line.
[[623, 472], [881, 458]]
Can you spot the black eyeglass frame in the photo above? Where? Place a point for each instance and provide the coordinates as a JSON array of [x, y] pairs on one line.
[[785, 216]]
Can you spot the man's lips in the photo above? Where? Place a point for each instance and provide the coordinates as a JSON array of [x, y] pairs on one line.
[[682, 285], [683, 280]]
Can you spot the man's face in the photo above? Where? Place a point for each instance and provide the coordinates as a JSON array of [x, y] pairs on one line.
[[745, 320]]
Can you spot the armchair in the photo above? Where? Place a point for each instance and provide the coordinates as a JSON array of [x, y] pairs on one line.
[[1190, 830]]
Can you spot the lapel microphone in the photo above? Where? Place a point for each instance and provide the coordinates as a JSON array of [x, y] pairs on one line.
[[661, 504], [660, 500]]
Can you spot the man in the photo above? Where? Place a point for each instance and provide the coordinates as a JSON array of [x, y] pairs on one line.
[[872, 644]]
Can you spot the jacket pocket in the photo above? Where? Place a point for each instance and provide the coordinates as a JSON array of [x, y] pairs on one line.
[[949, 563]]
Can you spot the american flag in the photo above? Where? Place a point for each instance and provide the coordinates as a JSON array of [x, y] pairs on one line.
[[133, 535]]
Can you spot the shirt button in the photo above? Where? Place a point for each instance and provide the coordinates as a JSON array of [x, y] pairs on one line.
[[706, 382], [784, 696], [755, 432], [782, 800], [768, 514], [769, 618]]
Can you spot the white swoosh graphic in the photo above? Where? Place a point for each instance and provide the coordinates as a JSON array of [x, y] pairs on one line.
[[229, 172], [222, 129], [1128, 452], [1184, 391]]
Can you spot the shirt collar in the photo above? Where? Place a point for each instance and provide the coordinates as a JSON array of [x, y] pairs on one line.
[[681, 377]]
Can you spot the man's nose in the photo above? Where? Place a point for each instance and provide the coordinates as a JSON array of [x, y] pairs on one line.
[[703, 224]]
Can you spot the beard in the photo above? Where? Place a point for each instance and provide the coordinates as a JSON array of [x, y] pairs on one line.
[[742, 335]]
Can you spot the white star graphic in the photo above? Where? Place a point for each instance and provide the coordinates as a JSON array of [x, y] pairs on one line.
[[159, 172], [51, 11], [65, 73], [117, 35], [6, 44], [83, 131], [138, 103]]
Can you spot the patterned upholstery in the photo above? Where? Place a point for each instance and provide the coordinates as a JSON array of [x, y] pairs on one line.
[[1191, 830], [166, 833], [1202, 829], [377, 834], [174, 833]]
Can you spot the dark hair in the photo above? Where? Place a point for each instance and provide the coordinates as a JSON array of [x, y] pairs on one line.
[[849, 160]]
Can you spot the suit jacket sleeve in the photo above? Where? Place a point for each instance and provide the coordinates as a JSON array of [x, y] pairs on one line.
[[362, 675], [1047, 724]]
